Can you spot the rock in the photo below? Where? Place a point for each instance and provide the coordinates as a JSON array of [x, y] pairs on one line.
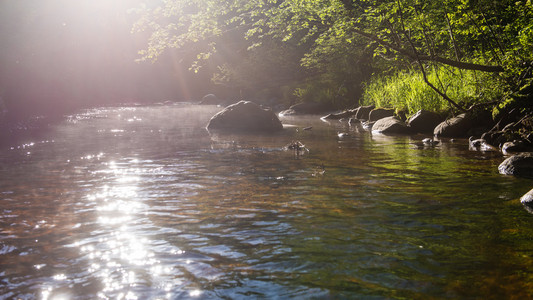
[[480, 145], [367, 125], [454, 127], [354, 122], [245, 116], [424, 121], [518, 165], [466, 124], [380, 113], [492, 137], [500, 137], [527, 199], [341, 115], [305, 108], [356, 125], [429, 142], [515, 147], [210, 99], [296, 145], [390, 125], [363, 112], [475, 143], [343, 135]]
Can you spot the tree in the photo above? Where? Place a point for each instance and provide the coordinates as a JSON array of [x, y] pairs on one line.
[[245, 41], [456, 33], [333, 36]]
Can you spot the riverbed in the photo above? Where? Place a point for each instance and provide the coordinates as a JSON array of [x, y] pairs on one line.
[[144, 203]]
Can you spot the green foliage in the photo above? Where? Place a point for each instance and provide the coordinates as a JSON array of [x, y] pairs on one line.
[[408, 91], [341, 42]]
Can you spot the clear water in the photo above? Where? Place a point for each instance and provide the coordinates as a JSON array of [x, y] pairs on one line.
[[143, 203]]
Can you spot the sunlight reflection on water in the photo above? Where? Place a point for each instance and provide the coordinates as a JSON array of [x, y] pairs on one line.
[[157, 208], [122, 257]]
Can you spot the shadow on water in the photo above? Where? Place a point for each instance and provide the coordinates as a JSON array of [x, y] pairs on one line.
[[140, 203]]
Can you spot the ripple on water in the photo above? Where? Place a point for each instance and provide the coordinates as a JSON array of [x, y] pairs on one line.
[[143, 203]]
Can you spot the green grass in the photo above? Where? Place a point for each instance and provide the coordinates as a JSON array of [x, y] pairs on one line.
[[407, 90]]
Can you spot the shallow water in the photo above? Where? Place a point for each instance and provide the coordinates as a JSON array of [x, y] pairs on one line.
[[143, 203]]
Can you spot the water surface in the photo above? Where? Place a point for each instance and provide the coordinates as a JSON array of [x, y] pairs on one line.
[[144, 203]]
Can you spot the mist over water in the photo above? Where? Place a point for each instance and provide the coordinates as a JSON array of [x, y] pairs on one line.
[[61, 55], [144, 203]]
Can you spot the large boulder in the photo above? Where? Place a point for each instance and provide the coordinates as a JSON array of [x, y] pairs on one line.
[[390, 125], [424, 121], [380, 113], [245, 116], [518, 165], [454, 127], [466, 124]]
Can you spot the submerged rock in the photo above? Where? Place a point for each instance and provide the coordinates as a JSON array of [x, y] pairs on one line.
[[297, 147], [245, 116], [343, 135], [518, 165]]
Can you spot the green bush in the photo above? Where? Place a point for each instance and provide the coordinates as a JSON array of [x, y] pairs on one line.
[[408, 90]]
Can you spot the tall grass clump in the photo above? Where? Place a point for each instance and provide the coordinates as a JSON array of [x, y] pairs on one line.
[[409, 92]]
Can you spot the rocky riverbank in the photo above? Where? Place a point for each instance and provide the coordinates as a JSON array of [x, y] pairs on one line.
[[509, 133]]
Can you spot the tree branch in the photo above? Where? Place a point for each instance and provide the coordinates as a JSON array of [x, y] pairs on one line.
[[442, 94], [442, 60], [348, 5]]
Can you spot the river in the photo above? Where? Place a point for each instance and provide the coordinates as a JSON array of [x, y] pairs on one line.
[[144, 203]]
